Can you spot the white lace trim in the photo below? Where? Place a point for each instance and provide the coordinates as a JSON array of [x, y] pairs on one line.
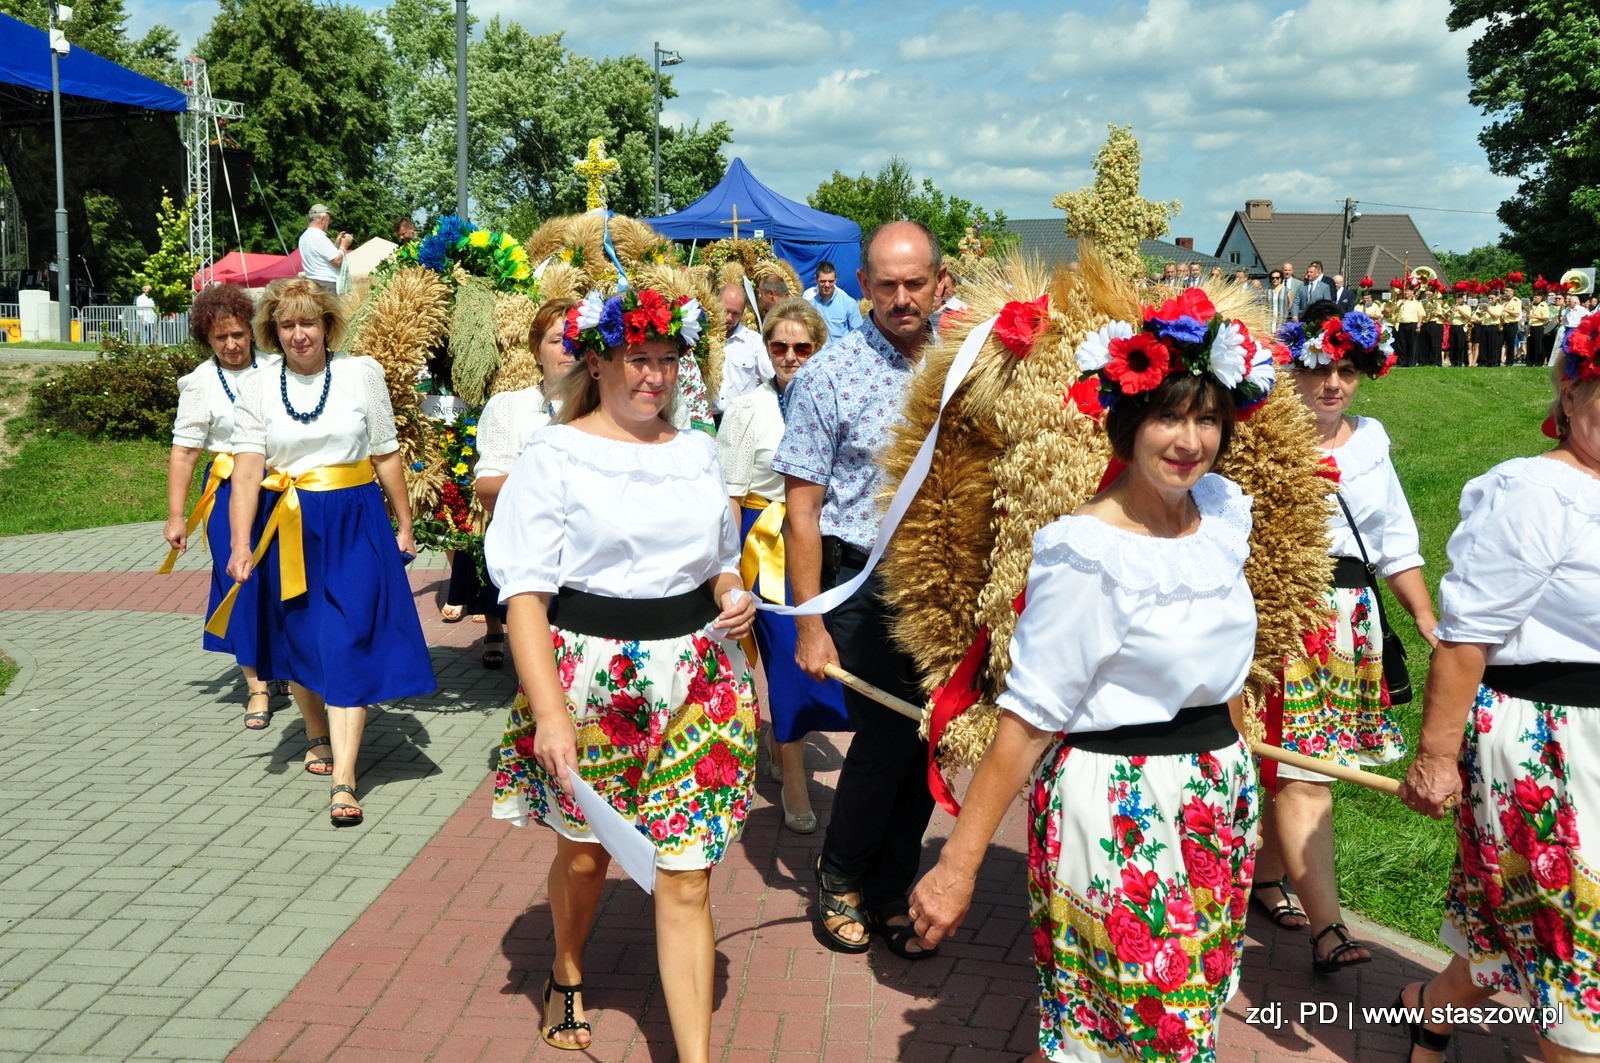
[[1368, 449], [1573, 487], [686, 456], [1205, 563]]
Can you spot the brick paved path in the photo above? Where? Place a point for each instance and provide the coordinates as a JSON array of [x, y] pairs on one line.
[[170, 887]]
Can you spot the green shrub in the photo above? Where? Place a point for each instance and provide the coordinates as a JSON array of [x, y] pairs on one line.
[[128, 392]]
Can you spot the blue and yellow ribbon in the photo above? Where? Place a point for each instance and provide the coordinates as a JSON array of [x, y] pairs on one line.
[[221, 469]]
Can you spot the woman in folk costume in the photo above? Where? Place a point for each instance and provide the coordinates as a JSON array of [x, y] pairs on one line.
[[617, 556], [1335, 702], [752, 428], [315, 448], [1512, 714], [1138, 632], [220, 321]]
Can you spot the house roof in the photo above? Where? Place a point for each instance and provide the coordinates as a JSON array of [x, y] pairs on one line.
[[1046, 239], [1379, 243]]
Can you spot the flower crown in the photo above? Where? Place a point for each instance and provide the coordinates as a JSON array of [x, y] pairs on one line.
[[1182, 335], [1581, 345], [1368, 344], [631, 316]]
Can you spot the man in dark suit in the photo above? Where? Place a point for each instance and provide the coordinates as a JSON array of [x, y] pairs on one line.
[[1314, 290], [1344, 298]]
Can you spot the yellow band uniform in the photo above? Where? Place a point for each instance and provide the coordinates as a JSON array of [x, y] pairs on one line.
[[221, 469]]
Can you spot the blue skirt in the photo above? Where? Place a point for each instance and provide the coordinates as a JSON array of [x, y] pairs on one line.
[[353, 637], [243, 639], [798, 704]]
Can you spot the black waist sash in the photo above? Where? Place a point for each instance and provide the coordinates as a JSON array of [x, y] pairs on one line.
[[1552, 682], [626, 619], [1200, 729], [1350, 572]]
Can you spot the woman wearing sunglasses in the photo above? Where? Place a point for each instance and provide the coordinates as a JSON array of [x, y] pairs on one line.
[[751, 429]]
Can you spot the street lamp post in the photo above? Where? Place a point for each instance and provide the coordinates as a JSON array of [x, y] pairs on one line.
[[461, 109], [58, 48], [662, 58]]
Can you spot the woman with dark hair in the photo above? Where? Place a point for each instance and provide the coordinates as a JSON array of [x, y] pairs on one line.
[[1335, 704], [219, 321], [1512, 713], [617, 557], [315, 447], [1126, 664]]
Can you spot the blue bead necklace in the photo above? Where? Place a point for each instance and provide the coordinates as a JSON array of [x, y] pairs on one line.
[[322, 404], [226, 390]]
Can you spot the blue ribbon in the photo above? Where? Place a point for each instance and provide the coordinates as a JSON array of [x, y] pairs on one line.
[[611, 253]]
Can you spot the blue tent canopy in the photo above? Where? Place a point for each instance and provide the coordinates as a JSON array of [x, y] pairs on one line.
[[801, 235], [25, 62]]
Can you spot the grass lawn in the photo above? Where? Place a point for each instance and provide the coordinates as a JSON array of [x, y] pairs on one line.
[[8, 672], [49, 345], [62, 482], [1447, 426]]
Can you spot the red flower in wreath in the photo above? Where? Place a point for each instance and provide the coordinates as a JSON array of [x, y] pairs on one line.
[[1336, 342], [656, 310], [1020, 324], [1584, 341], [1138, 363], [1191, 302], [635, 327], [1085, 395]]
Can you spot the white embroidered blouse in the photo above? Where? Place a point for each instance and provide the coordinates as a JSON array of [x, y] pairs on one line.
[[357, 422], [750, 433], [1371, 489], [205, 412], [1122, 628], [505, 424]]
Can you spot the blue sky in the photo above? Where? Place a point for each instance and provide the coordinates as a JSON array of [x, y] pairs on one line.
[[1005, 104]]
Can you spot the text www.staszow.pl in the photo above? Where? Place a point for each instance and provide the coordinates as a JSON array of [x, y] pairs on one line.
[[1542, 1018]]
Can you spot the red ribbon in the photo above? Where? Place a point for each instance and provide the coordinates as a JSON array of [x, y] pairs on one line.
[[959, 693]]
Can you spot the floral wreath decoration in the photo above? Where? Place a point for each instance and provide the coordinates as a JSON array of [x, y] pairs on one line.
[[634, 315], [498, 256], [1581, 345], [1182, 335], [1368, 344]]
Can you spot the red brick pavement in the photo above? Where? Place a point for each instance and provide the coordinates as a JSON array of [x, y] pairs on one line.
[[449, 962]]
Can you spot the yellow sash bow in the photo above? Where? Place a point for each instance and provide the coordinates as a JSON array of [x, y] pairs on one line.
[[286, 522], [763, 549], [221, 469]]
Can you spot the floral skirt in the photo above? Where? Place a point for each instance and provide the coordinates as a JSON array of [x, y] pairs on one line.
[[1524, 901], [666, 734], [1139, 872], [1335, 706]]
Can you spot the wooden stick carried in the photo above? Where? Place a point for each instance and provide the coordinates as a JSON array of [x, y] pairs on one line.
[[1381, 783]]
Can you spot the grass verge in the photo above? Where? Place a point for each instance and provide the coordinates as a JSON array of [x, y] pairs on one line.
[[8, 672], [1447, 426], [48, 345], [62, 482]]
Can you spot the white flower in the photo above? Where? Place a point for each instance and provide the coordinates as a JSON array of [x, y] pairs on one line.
[[690, 329], [1385, 340], [1229, 359], [1094, 353], [1263, 370], [589, 311]]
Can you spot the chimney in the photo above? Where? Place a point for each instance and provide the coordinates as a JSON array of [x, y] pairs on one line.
[[1185, 242], [1258, 209]]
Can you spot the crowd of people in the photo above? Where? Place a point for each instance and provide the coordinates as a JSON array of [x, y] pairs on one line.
[[627, 554]]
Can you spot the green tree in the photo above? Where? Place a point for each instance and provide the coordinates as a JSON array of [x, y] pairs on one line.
[[314, 82], [170, 271], [1483, 263], [1535, 71], [113, 245], [894, 195]]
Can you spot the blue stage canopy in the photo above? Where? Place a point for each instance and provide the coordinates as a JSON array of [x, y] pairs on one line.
[[801, 235], [25, 62]]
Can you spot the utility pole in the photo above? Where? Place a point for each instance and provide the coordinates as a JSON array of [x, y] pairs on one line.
[[58, 48], [461, 109], [1344, 241]]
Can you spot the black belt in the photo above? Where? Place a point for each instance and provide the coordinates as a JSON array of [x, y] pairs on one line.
[[1552, 682], [1350, 572], [837, 553], [1200, 729], [626, 619]]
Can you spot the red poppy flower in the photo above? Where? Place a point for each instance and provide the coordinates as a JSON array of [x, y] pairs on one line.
[[1336, 342], [1138, 363], [635, 327], [1192, 302], [1584, 340], [656, 310], [1085, 395], [1020, 324]]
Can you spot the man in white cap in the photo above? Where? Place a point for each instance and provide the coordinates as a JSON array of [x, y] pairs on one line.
[[321, 256]]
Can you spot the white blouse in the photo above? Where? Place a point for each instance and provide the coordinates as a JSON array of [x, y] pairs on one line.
[[357, 422], [750, 433], [505, 424], [205, 413], [1524, 573], [626, 520], [1122, 628], [1371, 489]]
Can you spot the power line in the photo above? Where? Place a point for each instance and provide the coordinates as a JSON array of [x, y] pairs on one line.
[[1441, 210]]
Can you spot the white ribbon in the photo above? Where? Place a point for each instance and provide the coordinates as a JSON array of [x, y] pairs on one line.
[[909, 486]]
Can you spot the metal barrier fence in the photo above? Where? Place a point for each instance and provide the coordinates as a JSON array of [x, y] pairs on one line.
[[10, 310], [102, 321]]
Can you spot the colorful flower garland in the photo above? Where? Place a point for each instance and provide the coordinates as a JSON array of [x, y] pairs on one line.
[[450, 526], [633, 316], [483, 252], [1581, 345], [1368, 344]]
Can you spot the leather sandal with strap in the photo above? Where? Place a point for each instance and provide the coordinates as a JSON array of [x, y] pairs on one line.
[[1283, 910], [1332, 964], [341, 814], [257, 721], [321, 766], [901, 938], [494, 654], [569, 1022], [1421, 1036], [831, 906]]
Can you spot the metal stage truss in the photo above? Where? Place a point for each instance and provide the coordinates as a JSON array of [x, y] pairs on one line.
[[202, 126]]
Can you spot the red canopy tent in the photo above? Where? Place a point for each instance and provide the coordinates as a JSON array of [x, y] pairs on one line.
[[251, 270]]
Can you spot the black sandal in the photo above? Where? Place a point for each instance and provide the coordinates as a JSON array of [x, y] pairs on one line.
[[352, 816], [1284, 909], [1421, 1036], [830, 907], [257, 721], [899, 937], [1331, 964], [310, 765], [570, 1022], [493, 656]]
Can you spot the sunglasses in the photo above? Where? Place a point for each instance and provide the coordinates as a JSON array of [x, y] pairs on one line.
[[801, 350]]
